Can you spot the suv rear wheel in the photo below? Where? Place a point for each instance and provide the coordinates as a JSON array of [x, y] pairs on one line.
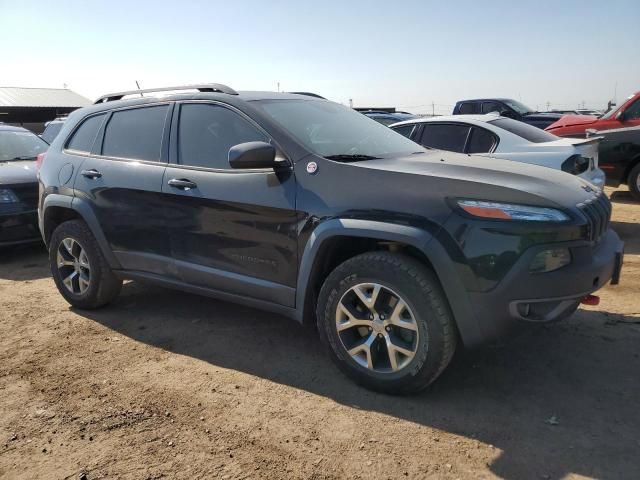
[[79, 269], [386, 322], [634, 181]]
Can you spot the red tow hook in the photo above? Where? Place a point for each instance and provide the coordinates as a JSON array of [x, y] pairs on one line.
[[590, 300]]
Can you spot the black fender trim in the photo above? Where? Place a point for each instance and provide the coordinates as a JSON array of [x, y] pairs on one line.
[[418, 238], [85, 211]]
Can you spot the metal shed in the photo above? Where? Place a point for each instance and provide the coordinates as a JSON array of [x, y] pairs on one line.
[[32, 107]]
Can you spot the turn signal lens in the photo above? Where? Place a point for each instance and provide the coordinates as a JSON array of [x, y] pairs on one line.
[[550, 260], [510, 211]]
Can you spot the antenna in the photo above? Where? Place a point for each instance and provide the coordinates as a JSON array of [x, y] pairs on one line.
[[138, 85]]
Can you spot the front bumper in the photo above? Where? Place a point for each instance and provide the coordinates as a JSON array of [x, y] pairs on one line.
[[524, 297], [18, 226]]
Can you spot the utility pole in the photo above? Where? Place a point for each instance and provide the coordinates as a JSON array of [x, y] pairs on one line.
[[278, 87], [351, 103], [433, 108], [548, 105]]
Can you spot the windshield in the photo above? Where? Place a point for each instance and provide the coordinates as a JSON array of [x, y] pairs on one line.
[[524, 130], [521, 108], [331, 130], [20, 145]]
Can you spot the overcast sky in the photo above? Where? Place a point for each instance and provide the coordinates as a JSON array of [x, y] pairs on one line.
[[407, 54]]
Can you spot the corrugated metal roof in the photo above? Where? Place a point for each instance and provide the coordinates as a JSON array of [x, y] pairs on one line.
[[41, 97]]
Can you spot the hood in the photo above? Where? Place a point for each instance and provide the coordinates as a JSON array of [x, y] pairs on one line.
[[571, 120], [463, 176], [18, 171]]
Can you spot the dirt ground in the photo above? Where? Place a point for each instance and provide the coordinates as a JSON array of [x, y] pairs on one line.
[[168, 385]]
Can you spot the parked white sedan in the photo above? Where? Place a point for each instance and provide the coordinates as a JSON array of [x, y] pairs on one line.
[[501, 137]]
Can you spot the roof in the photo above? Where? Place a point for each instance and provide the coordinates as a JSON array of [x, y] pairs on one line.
[[41, 97], [474, 119]]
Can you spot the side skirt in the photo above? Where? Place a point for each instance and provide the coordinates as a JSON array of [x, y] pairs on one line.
[[208, 292]]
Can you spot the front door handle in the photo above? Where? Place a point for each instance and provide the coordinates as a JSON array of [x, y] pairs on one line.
[[182, 183], [93, 173]]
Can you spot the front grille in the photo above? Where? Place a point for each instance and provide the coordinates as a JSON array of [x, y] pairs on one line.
[[597, 210], [27, 193]]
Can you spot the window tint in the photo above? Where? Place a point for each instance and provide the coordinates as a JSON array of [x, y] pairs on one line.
[[445, 136], [135, 133], [405, 130], [207, 132], [468, 108], [20, 145], [84, 136], [481, 141], [51, 132], [488, 107], [386, 120], [633, 111], [524, 130]]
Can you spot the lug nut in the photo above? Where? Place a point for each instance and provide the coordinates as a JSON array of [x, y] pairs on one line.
[[383, 317], [388, 329]]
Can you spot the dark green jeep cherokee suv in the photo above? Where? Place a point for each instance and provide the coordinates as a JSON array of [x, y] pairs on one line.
[[301, 206]]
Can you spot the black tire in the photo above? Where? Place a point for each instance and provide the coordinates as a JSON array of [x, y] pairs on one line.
[[421, 291], [103, 287], [633, 182]]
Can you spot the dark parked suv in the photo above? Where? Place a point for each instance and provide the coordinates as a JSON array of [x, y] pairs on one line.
[[507, 107], [304, 207]]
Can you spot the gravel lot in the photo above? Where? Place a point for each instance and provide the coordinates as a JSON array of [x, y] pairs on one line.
[[169, 385]]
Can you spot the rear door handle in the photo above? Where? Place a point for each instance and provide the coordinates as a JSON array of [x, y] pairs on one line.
[[93, 173], [182, 183]]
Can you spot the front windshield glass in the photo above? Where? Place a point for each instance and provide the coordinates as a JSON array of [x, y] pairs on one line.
[[521, 108], [20, 145], [331, 130]]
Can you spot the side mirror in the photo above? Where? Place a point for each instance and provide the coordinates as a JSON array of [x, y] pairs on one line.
[[620, 116], [252, 155], [507, 113]]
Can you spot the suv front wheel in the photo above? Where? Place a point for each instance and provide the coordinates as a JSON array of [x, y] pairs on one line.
[[79, 269], [386, 322]]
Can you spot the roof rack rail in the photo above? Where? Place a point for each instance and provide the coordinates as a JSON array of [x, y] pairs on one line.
[[205, 87]]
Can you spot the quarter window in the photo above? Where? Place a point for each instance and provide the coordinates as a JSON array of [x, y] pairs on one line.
[[468, 108], [405, 130], [135, 133], [445, 136], [482, 141], [83, 138], [207, 132]]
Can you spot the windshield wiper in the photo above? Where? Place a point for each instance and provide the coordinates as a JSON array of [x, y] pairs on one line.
[[350, 157]]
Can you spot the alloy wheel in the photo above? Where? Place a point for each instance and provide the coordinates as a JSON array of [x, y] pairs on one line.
[[73, 266], [377, 328]]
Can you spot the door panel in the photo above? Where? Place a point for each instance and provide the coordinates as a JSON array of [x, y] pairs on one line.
[[127, 201], [235, 231]]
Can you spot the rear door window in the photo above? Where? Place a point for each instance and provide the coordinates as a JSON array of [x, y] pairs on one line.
[[481, 141], [445, 136], [135, 133], [488, 107], [84, 136]]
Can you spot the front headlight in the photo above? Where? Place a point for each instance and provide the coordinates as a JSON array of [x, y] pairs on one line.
[[510, 211], [7, 196]]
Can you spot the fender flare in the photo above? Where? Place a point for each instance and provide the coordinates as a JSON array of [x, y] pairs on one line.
[[420, 239], [86, 213]]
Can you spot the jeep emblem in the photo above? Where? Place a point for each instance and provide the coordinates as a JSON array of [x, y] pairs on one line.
[[312, 167]]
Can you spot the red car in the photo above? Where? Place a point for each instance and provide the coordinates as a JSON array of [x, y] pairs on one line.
[[627, 115]]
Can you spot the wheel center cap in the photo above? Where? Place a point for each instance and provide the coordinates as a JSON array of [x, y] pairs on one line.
[[378, 325]]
